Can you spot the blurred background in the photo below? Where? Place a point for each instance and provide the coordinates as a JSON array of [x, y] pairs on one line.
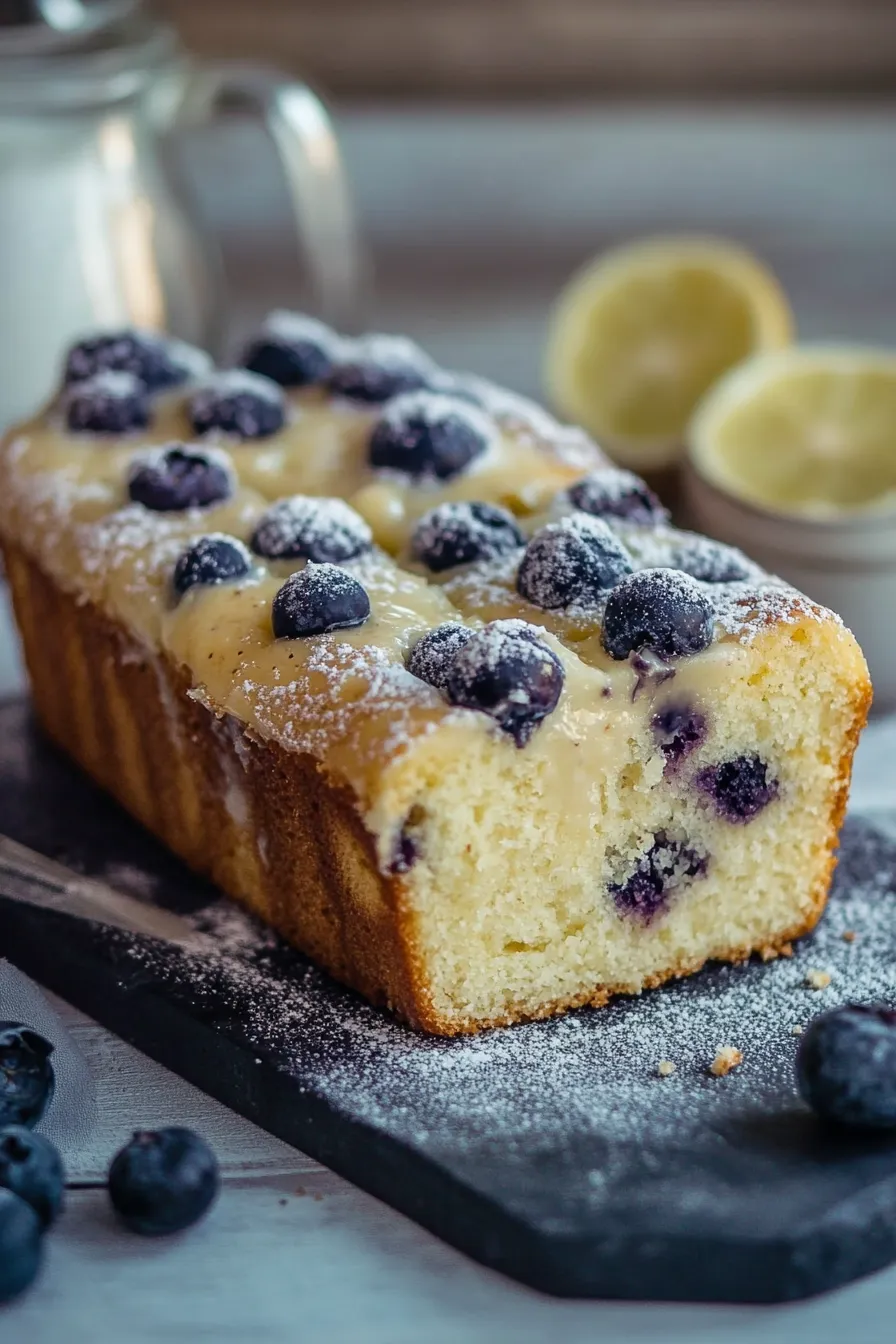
[[492, 145]]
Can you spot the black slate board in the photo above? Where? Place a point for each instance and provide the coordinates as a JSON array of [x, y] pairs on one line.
[[553, 1151]]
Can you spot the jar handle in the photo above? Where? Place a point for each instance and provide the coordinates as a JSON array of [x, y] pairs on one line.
[[312, 166]]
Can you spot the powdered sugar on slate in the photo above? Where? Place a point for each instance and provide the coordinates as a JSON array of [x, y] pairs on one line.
[[590, 1073]]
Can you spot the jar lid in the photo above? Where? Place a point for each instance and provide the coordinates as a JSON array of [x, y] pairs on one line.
[[44, 27], [60, 54]]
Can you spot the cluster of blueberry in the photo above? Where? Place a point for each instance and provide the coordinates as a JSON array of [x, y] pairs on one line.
[[160, 1182], [431, 426]]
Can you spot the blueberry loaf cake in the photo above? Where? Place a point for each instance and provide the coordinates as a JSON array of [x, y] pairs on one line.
[[413, 672]]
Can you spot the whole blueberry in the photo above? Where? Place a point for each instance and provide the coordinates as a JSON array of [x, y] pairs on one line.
[[317, 599], [666, 866], [739, 788], [26, 1074], [507, 671], [107, 403], [611, 492], [376, 368], [432, 657], [21, 1245], [846, 1066], [679, 729], [156, 361], [304, 527], [658, 609], [426, 434], [293, 350], [460, 533], [180, 476], [710, 561], [571, 562], [163, 1181], [31, 1168], [213, 559], [238, 403]]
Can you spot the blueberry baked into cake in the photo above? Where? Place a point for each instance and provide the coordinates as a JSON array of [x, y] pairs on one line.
[[417, 675]]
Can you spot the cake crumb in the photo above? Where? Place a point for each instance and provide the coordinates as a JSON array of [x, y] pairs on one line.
[[797, 1030], [816, 979], [727, 1058], [665, 1068], [848, 935]]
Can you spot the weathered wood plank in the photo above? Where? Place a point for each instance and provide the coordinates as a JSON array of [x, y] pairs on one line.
[[493, 49]]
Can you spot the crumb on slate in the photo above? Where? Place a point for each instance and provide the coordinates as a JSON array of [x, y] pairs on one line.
[[727, 1058], [816, 979], [848, 935], [665, 1068], [797, 1030]]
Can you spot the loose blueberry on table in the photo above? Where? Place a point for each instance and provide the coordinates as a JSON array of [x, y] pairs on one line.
[[846, 1066], [429, 435], [317, 599], [459, 533], [180, 476], [156, 361], [26, 1074], [107, 403], [21, 1245], [30, 1166], [163, 1181], [305, 528], [293, 350], [238, 403], [211, 560], [573, 562]]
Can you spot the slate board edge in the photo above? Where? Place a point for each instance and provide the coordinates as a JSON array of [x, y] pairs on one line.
[[55, 950]]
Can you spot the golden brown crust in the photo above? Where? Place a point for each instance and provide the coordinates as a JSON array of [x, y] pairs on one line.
[[265, 824]]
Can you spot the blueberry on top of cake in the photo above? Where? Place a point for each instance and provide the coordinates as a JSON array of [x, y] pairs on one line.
[[428, 434], [571, 562], [305, 527], [157, 361], [611, 492], [433, 655], [375, 368], [711, 561], [180, 476], [658, 609], [292, 349], [506, 670], [238, 403], [215, 558], [317, 599], [460, 532], [107, 403]]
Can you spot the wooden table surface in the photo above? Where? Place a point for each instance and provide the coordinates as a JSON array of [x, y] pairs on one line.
[[292, 1252]]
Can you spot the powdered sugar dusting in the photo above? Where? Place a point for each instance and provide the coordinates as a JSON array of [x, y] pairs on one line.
[[589, 1073]]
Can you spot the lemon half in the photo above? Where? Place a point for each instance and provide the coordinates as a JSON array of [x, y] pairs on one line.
[[639, 334], [810, 430]]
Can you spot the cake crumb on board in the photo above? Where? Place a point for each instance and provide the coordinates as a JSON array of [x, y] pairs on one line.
[[665, 1068], [727, 1058], [816, 979]]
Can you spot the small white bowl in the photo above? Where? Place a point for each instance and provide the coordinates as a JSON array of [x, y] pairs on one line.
[[847, 563]]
